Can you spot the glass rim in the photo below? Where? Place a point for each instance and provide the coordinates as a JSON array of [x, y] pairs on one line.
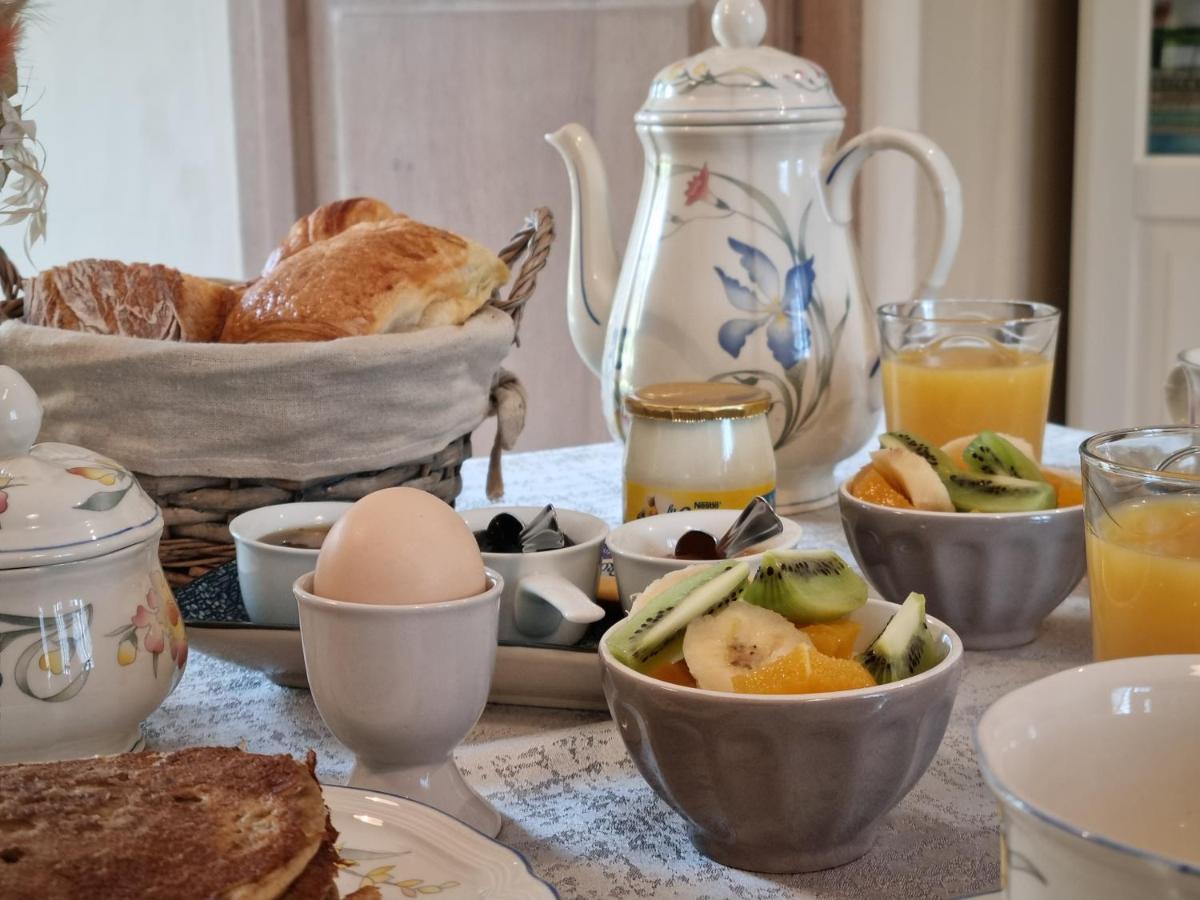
[[1089, 456], [1038, 312]]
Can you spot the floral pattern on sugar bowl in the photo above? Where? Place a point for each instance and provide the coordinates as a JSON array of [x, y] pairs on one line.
[[157, 625]]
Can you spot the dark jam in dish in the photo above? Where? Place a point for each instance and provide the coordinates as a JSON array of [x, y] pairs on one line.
[[696, 545], [506, 533], [306, 537]]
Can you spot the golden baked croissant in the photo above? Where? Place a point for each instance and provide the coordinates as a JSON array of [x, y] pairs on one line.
[[104, 296], [325, 222], [393, 275]]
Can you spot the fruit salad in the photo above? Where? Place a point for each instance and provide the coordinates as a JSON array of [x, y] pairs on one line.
[[785, 631], [985, 472]]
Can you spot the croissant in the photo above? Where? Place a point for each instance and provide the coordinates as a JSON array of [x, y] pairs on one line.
[[325, 222], [374, 277]]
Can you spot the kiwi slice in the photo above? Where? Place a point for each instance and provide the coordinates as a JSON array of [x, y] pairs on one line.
[[935, 456], [654, 634], [904, 645], [806, 586], [990, 454], [998, 493]]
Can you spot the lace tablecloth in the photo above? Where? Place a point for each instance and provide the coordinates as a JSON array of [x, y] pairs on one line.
[[572, 801]]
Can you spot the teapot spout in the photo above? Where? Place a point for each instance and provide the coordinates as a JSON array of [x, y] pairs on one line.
[[593, 268]]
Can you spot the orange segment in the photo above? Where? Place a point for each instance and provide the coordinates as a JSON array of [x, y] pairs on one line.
[[1070, 491], [787, 675], [834, 638], [804, 671], [674, 673], [872, 487]]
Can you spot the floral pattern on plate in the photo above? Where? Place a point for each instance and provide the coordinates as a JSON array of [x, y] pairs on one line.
[[407, 849]]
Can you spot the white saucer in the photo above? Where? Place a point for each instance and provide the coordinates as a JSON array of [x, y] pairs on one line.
[[525, 676]]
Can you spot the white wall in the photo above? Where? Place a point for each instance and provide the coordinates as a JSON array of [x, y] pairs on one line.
[[132, 100]]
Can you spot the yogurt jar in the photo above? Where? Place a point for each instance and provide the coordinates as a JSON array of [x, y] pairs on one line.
[[697, 445]]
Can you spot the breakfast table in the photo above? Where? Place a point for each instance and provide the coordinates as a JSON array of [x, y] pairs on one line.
[[572, 801]]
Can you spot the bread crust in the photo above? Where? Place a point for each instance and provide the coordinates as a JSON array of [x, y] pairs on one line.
[[327, 221], [205, 822], [375, 277], [103, 296]]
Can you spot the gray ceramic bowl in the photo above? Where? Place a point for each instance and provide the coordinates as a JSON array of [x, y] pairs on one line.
[[992, 576], [785, 783]]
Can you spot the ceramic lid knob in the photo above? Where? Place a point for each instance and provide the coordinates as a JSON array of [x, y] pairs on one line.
[[20, 414], [739, 23]]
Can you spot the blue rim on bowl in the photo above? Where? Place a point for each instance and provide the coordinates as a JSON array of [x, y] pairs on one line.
[[1010, 797]]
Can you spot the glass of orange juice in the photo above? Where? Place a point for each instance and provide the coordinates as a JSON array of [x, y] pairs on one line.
[[1141, 500], [956, 367]]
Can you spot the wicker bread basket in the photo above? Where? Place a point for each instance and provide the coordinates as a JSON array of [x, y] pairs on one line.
[[197, 510]]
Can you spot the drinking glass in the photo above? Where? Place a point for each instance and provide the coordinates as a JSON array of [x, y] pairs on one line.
[[1141, 501], [956, 367], [1183, 388]]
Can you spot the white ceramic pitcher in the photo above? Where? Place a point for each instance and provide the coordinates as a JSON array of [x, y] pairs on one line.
[[741, 264]]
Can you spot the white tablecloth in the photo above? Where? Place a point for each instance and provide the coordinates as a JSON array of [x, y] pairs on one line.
[[572, 801]]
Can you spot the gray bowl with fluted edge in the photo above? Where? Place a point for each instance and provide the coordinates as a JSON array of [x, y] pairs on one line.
[[993, 577], [785, 782]]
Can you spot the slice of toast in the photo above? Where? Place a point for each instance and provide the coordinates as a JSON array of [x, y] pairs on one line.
[[206, 822]]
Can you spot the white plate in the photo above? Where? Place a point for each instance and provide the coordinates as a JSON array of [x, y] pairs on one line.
[[407, 849]]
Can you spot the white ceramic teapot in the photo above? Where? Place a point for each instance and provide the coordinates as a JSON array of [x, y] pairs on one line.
[[91, 640], [741, 264]]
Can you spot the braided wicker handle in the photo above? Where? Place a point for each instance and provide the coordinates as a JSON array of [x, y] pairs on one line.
[[12, 306], [533, 242]]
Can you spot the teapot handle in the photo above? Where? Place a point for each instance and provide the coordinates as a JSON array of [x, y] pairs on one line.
[[849, 160]]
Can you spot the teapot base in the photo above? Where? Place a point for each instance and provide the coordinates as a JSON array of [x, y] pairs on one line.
[[805, 490]]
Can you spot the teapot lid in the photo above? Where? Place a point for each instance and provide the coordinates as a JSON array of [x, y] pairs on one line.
[[58, 502], [739, 81]]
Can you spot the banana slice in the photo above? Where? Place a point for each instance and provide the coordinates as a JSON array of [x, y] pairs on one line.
[[955, 448], [737, 640], [913, 477]]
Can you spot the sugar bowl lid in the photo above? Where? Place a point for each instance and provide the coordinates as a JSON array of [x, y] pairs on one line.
[[58, 502], [739, 81]]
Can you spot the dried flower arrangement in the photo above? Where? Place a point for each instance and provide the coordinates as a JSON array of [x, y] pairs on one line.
[[21, 156]]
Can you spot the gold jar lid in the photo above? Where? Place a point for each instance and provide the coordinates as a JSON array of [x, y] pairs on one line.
[[697, 401]]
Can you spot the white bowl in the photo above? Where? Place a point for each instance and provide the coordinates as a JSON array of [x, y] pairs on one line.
[[266, 572], [642, 549], [549, 596], [1098, 774]]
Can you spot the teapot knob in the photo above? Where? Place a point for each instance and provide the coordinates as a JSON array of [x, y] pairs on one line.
[[739, 23], [20, 414]]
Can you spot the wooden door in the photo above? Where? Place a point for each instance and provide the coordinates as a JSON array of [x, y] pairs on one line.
[[440, 107], [1135, 268]]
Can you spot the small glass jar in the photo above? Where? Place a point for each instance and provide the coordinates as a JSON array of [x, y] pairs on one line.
[[697, 445]]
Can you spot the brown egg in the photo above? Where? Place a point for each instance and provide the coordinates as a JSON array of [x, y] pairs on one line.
[[399, 546]]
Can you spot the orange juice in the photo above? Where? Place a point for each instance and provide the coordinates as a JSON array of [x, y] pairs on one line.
[[945, 392], [1144, 567]]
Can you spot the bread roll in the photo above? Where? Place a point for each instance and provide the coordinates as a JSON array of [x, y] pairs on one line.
[[376, 277], [325, 222], [103, 296]]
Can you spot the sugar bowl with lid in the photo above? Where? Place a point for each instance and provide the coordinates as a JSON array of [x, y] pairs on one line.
[[91, 640]]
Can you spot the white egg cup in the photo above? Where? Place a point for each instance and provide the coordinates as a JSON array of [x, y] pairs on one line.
[[401, 685]]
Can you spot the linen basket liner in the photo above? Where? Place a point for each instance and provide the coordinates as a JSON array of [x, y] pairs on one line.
[[295, 411]]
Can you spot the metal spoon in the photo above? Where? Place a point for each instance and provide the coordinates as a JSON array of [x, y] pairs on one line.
[[756, 523]]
